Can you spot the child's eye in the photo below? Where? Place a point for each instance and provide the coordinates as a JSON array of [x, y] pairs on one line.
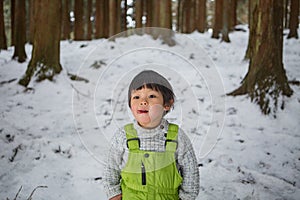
[[152, 96], [135, 97]]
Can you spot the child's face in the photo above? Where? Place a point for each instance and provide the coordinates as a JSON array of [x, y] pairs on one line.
[[147, 107]]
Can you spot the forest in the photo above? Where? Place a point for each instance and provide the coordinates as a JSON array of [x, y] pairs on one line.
[[45, 23], [90, 47]]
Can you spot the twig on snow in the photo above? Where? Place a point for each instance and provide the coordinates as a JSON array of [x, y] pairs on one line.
[[18, 193], [41, 186]]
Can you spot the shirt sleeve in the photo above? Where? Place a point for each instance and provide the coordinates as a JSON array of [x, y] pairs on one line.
[[188, 167], [112, 169]]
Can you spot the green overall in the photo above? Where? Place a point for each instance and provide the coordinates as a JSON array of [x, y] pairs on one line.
[[148, 174]]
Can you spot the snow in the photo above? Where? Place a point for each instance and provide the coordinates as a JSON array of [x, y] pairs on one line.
[[56, 134]]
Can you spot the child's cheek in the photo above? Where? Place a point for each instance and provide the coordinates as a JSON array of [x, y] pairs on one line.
[[156, 111]]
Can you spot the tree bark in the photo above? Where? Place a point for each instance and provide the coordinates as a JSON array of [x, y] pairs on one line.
[[79, 20], [12, 21], [89, 14], [294, 19], [218, 19], [101, 21], [226, 19], [124, 17], [3, 43], [266, 81], [20, 28], [45, 59], [200, 15], [149, 14], [165, 14], [232, 17], [66, 24], [251, 39], [31, 21], [286, 13], [138, 13], [112, 17]]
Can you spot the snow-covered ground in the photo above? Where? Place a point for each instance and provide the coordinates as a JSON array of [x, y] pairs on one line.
[[54, 135]]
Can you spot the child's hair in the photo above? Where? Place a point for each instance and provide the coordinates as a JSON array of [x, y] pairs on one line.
[[152, 80]]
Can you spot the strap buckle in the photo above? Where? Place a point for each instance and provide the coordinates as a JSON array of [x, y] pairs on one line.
[[132, 139]]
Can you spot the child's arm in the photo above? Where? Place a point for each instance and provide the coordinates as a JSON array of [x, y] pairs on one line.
[[112, 170], [187, 162]]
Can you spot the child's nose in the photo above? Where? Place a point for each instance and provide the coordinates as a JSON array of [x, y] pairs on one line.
[[143, 102]]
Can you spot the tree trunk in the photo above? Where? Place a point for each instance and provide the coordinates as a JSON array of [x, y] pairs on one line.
[[251, 39], [192, 15], [124, 17], [200, 15], [218, 19], [101, 21], [12, 21], [44, 63], [286, 13], [66, 24], [112, 17], [118, 17], [89, 14], [186, 8], [79, 20], [232, 20], [165, 14], [149, 14], [294, 20], [225, 29], [179, 16], [138, 13], [266, 82], [155, 13], [31, 21], [3, 43], [20, 28]]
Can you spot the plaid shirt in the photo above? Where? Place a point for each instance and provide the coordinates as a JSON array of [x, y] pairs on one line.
[[152, 140]]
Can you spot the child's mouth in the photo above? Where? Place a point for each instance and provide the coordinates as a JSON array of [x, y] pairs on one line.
[[142, 111]]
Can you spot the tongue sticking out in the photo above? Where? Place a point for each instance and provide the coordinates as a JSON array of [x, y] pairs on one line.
[[142, 111]]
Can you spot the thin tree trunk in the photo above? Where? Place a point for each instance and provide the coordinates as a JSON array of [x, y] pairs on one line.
[[79, 20], [286, 13], [294, 19], [3, 43], [225, 29], [149, 14], [66, 25], [112, 17], [232, 17], [89, 14], [20, 28], [218, 19], [138, 13], [118, 17], [124, 17], [99, 18], [12, 21], [165, 14], [251, 39], [201, 15]]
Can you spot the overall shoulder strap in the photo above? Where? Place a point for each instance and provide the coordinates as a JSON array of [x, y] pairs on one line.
[[133, 142], [171, 140]]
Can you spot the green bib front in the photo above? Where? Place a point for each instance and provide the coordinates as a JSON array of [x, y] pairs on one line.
[[149, 174]]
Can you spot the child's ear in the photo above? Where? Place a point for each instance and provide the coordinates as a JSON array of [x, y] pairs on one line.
[[169, 105]]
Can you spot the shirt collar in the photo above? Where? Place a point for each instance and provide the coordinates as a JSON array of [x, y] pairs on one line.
[[143, 132]]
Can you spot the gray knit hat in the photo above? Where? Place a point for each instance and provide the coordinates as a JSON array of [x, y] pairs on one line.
[[148, 77]]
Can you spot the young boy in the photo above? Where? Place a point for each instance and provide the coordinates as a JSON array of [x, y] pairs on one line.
[[151, 158]]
